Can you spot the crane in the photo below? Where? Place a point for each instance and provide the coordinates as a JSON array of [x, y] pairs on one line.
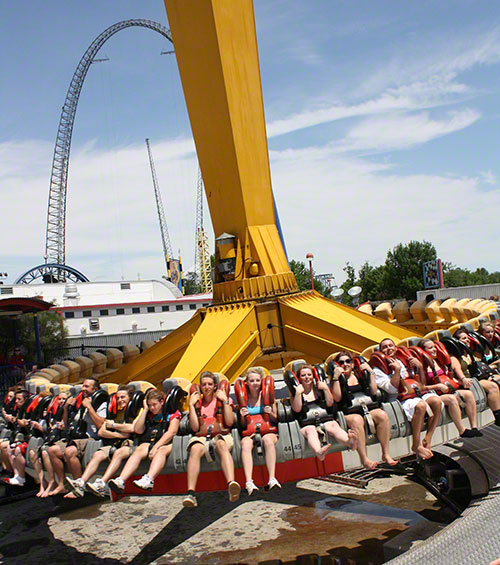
[[174, 268], [202, 253]]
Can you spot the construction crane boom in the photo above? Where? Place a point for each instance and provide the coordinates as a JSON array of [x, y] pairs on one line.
[[202, 253], [165, 238]]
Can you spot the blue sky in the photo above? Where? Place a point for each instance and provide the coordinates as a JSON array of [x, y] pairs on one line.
[[383, 127]]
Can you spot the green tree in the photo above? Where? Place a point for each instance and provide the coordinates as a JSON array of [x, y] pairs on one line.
[[303, 277], [403, 268], [52, 336], [372, 281], [191, 283], [349, 282]]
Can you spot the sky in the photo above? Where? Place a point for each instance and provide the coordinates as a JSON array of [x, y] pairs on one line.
[[382, 122]]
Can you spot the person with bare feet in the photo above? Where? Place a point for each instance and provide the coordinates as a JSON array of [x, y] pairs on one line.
[[73, 450], [115, 433], [310, 403], [354, 416], [438, 377], [394, 378]]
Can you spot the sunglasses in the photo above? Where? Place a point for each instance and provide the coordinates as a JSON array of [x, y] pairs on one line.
[[344, 361]]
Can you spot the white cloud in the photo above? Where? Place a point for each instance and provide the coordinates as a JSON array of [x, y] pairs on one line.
[[397, 131]]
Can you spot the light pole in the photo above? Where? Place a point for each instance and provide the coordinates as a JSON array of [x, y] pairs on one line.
[[310, 257]]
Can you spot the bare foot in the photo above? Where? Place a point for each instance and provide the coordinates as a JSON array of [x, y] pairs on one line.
[[70, 495], [369, 464], [58, 490], [389, 460], [353, 439], [423, 452], [47, 490], [323, 452]]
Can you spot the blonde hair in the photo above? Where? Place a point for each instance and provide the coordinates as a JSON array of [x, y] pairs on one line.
[[259, 370]]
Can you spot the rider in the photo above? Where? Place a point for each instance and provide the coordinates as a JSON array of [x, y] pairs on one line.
[[309, 396], [204, 408], [449, 399], [345, 367], [74, 449], [253, 408], [156, 429], [415, 408], [113, 440]]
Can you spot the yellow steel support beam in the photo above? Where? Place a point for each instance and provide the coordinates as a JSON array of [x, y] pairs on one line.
[[216, 49]]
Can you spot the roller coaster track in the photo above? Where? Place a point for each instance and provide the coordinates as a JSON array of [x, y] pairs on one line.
[[55, 252]]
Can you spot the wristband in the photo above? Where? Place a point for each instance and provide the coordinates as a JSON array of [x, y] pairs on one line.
[[226, 401]]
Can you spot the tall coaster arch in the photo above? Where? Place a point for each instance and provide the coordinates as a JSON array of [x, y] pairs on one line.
[[55, 246]]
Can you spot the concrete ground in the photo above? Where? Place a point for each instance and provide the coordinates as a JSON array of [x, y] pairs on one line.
[[313, 517]]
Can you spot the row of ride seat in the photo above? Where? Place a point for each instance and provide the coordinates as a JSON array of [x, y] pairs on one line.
[[422, 316]]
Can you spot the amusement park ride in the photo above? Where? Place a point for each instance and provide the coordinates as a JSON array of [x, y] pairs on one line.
[[258, 313]]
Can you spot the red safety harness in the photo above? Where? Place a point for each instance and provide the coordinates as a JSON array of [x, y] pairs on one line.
[[408, 387], [256, 423], [211, 426]]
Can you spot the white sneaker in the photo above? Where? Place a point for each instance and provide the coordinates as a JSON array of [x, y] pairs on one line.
[[116, 485], [145, 482], [16, 481], [251, 487], [273, 483], [77, 486], [99, 488]]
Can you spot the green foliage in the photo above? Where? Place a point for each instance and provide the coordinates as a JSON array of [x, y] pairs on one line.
[[403, 274], [456, 276], [303, 277], [191, 283], [52, 336]]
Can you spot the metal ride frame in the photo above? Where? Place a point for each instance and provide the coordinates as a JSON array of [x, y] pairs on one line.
[[258, 315], [55, 246]]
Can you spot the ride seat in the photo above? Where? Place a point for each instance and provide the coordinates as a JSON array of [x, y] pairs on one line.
[[86, 366], [100, 362], [401, 311], [63, 371], [384, 312], [130, 352], [74, 370], [447, 312]]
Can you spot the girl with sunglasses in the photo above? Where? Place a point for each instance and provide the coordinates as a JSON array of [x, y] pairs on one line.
[[380, 419]]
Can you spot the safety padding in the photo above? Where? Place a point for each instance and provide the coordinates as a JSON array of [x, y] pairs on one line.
[[384, 312], [366, 308], [146, 344], [115, 358], [297, 441], [92, 446], [417, 311], [433, 311], [458, 310], [130, 352], [401, 311], [55, 390], [31, 386], [75, 389], [400, 426], [471, 309], [285, 412], [294, 365], [50, 374], [100, 362], [479, 395], [42, 387], [284, 449], [86, 366], [447, 312], [369, 350], [184, 427], [143, 386], [34, 443], [63, 371], [413, 340], [74, 370], [110, 388], [342, 421]]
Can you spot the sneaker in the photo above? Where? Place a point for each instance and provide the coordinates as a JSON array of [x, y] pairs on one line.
[[15, 481], [145, 482], [189, 501], [234, 489], [116, 485], [77, 486], [273, 483], [251, 487], [476, 432], [99, 488]]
